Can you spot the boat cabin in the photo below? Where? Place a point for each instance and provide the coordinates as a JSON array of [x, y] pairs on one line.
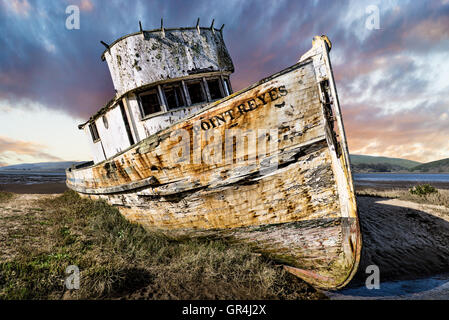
[[160, 76]]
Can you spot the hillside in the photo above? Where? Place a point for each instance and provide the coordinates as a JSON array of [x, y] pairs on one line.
[[366, 164], [438, 166], [41, 166], [363, 163], [362, 159]]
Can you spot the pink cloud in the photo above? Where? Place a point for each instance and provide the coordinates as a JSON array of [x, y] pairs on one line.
[[19, 7], [417, 134], [433, 30], [12, 149], [86, 5]]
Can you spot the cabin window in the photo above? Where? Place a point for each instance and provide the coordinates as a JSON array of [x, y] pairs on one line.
[[214, 89], [196, 91], [227, 87], [174, 96], [94, 132], [126, 122], [105, 122], [150, 102]]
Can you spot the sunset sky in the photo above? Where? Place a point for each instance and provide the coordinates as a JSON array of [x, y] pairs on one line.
[[393, 82]]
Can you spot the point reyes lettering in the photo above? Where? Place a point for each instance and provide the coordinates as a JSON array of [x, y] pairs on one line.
[[245, 107]]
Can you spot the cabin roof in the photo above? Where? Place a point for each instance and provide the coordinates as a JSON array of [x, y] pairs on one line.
[[155, 31], [149, 56]]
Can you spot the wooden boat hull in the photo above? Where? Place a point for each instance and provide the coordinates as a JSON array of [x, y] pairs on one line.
[[289, 196]]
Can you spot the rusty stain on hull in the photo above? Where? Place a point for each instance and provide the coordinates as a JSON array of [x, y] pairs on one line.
[[302, 212]]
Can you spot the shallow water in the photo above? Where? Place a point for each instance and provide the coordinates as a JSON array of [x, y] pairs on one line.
[[421, 177], [30, 177], [432, 288]]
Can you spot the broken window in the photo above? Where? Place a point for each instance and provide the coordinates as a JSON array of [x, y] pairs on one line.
[[94, 132], [174, 96], [214, 89], [196, 91], [150, 102]]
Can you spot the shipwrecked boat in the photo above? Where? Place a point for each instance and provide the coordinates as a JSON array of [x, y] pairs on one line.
[[177, 151]]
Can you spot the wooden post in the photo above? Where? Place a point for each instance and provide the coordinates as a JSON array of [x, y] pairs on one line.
[[186, 93], [206, 89]]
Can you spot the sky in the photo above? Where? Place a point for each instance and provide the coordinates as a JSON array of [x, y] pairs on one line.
[[392, 77]]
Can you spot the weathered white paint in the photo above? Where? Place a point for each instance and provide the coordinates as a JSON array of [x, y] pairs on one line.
[[114, 138], [140, 59], [143, 58], [319, 53], [150, 125], [95, 147]]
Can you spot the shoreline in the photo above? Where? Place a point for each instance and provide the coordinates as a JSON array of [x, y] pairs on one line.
[[400, 172], [37, 188], [359, 185], [385, 185]]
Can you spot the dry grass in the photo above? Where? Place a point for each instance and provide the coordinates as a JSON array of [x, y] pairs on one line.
[[5, 196], [118, 259], [439, 198]]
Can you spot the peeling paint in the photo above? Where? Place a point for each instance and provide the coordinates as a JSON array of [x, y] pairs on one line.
[[181, 50], [302, 212]]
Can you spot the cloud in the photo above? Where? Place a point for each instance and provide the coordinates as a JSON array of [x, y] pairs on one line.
[[11, 150], [413, 134], [19, 7], [86, 5], [385, 77]]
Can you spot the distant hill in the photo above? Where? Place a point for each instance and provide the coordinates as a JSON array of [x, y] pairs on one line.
[[362, 159], [363, 163], [438, 166], [41, 166]]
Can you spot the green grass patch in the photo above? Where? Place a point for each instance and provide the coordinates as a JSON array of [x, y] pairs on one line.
[[119, 259], [423, 190]]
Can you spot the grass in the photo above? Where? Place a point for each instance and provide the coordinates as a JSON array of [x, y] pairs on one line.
[[423, 190], [118, 259], [5, 196], [441, 197]]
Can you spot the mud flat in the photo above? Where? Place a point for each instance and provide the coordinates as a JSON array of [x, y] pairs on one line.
[[409, 242], [38, 188]]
